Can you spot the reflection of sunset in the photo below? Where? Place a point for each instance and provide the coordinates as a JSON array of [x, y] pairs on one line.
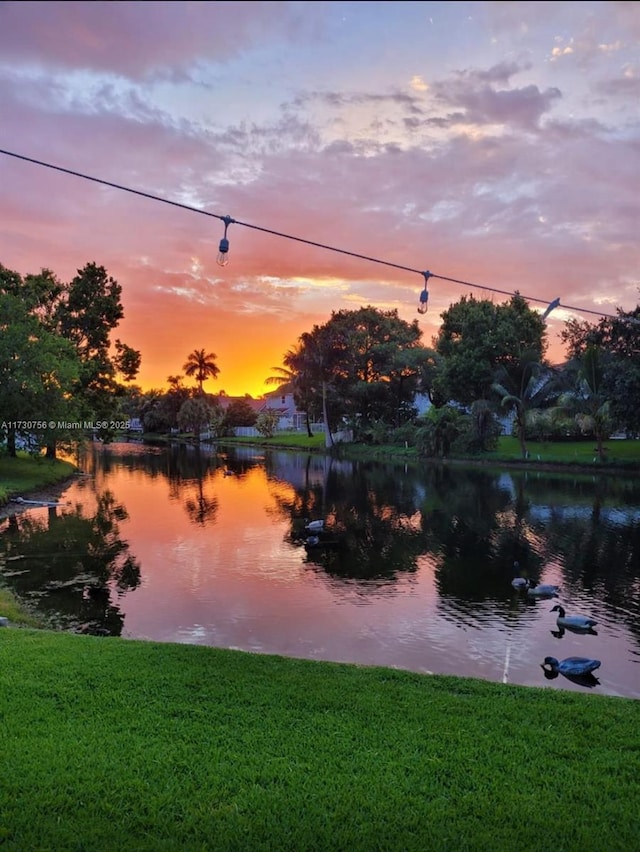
[[420, 579], [237, 578]]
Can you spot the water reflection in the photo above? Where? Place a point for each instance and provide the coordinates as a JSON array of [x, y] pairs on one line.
[[72, 565], [583, 631], [413, 567], [588, 680]]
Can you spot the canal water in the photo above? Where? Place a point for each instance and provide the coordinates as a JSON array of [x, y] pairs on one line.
[[412, 569]]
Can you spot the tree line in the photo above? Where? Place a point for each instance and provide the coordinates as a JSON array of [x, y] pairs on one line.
[[363, 369], [59, 366], [366, 369]]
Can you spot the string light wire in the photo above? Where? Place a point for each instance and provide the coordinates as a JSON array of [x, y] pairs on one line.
[[228, 220]]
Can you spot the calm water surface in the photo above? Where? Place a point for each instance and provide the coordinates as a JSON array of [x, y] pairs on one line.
[[208, 547]]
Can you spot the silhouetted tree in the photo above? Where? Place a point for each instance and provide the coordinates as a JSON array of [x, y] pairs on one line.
[[201, 365]]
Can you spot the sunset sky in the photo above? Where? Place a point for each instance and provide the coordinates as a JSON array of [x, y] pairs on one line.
[[495, 143]]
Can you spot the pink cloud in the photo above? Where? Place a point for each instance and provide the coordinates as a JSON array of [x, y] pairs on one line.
[[546, 206], [138, 40]]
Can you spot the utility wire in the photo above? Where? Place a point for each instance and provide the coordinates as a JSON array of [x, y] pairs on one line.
[[229, 221]]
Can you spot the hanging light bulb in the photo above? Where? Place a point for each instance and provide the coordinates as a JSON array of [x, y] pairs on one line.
[[423, 304], [223, 248], [223, 252]]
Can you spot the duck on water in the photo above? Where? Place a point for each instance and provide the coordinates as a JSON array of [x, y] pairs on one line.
[[542, 590], [573, 622]]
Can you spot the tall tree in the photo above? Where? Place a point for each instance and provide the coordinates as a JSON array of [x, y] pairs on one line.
[[201, 365], [618, 341], [38, 368], [295, 375], [87, 310], [476, 337], [84, 313], [173, 400], [363, 364], [588, 401], [195, 415]]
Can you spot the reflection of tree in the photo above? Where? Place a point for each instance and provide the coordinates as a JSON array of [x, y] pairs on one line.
[[472, 523], [372, 525], [201, 509], [602, 558], [305, 498], [186, 469], [471, 531], [72, 564], [593, 524], [515, 538]]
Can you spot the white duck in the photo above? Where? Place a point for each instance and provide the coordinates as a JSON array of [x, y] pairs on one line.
[[542, 590], [581, 622]]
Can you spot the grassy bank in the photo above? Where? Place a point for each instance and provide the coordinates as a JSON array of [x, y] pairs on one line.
[[621, 455], [13, 609], [26, 473], [18, 477], [111, 744]]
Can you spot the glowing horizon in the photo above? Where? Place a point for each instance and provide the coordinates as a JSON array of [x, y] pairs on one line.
[[481, 141]]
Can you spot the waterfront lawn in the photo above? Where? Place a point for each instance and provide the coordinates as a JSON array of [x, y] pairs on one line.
[[24, 473], [620, 454], [111, 744], [287, 440], [618, 451], [15, 611]]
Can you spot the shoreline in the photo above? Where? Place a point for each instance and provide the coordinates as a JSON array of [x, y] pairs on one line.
[[46, 493]]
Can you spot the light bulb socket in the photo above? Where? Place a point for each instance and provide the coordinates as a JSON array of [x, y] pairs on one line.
[[551, 307], [423, 304], [223, 248]]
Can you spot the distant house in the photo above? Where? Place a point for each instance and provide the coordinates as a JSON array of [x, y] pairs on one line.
[[422, 403], [225, 401], [281, 401]]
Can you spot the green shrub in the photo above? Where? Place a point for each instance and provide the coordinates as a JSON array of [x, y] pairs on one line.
[[267, 423]]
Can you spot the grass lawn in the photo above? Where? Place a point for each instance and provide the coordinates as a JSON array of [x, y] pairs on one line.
[[112, 744], [618, 452], [287, 440], [25, 473], [621, 454]]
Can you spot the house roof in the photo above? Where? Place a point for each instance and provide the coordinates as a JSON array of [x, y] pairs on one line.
[[283, 390], [225, 401]]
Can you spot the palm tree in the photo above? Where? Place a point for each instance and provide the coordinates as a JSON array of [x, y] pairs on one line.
[[290, 377], [175, 383], [588, 401], [529, 384], [201, 366]]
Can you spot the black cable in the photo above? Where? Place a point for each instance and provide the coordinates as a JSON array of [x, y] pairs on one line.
[[228, 220]]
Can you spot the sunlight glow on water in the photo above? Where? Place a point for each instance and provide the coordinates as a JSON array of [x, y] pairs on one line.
[[161, 545]]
